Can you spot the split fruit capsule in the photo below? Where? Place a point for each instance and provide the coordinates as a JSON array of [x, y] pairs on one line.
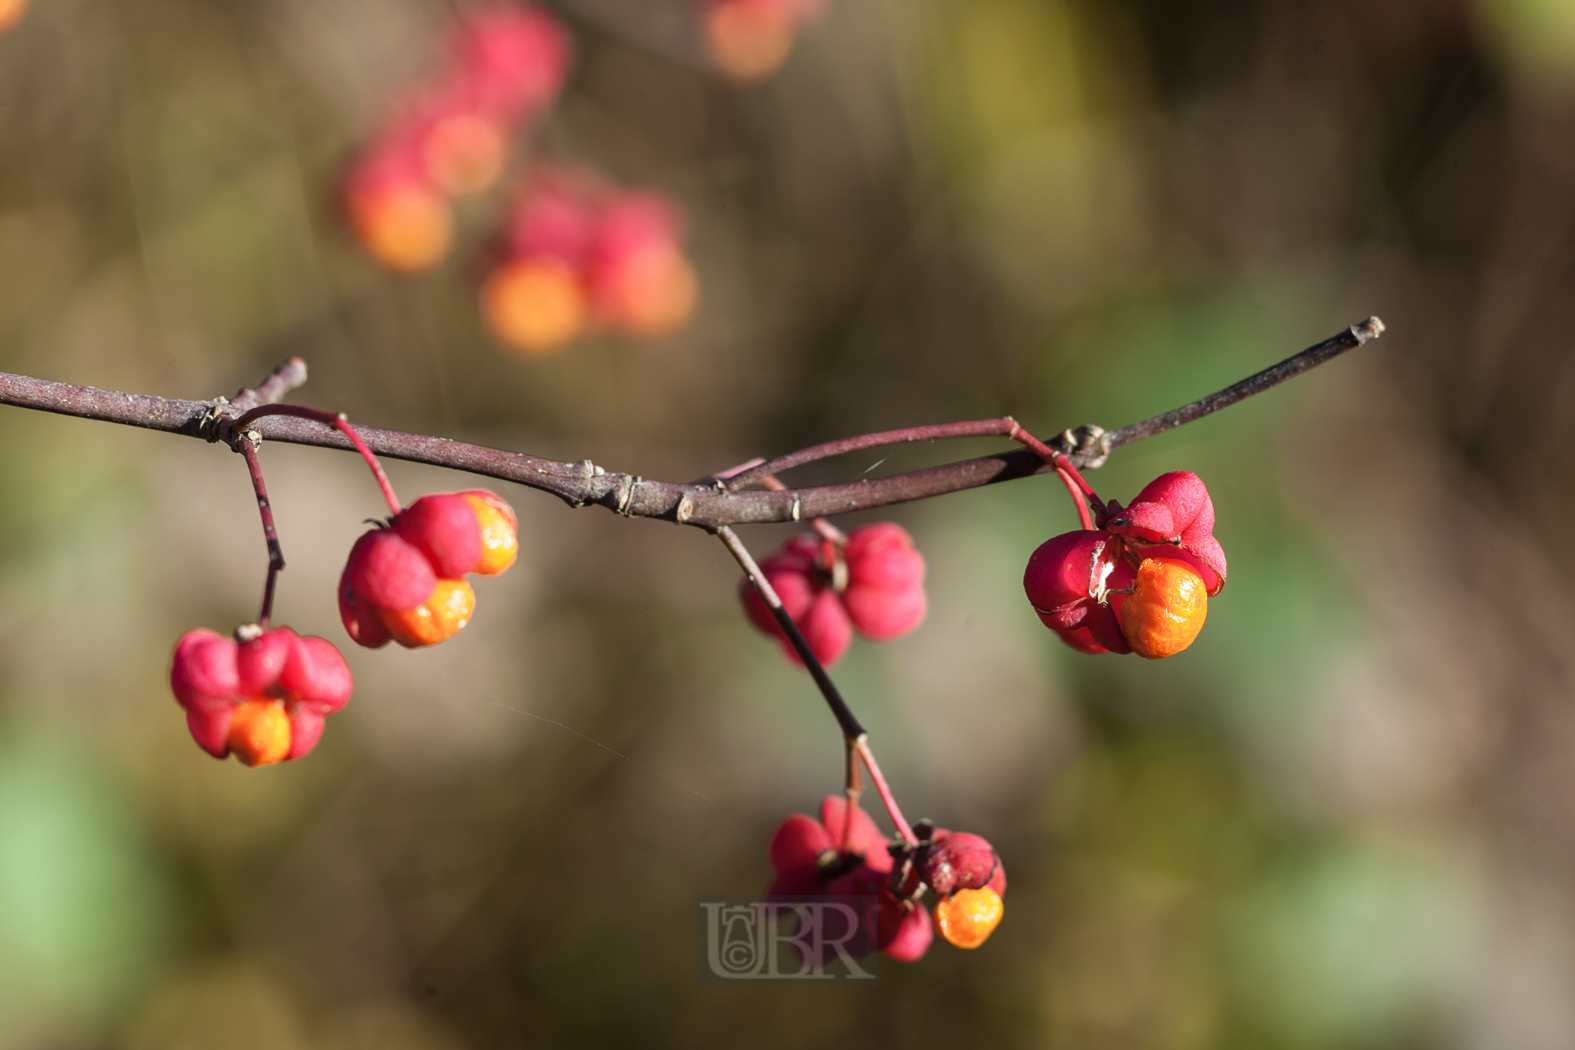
[[261, 696], [405, 582], [1140, 583]]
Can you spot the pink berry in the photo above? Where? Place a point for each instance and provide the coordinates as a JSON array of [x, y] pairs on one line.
[[389, 572], [882, 595], [956, 860], [443, 527], [263, 699]]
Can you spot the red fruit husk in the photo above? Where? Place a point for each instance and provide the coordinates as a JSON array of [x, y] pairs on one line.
[[1060, 581], [388, 572], [1175, 509], [443, 527], [553, 217], [362, 622], [885, 596], [260, 661], [212, 676], [806, 597], [905, 929], [956, 860]]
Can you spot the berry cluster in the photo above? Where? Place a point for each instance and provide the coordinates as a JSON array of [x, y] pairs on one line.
[[577, 254], [750, 39], [1139, 583], [872, 582], [450, 138], [405, 581], [843, 854], [262, 695]]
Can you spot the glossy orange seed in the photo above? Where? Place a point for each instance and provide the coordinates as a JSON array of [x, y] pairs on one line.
[[441, 616], [260, 732], [968, 917], [1166, 608], [406, 228], [499, 538]]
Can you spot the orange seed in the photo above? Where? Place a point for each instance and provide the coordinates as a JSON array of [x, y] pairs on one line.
[[441, 616], [499, 538], [1166, 608], [968, 917], [260, 732]]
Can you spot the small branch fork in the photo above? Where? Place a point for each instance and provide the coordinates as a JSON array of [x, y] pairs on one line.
[[228, 420], [708, 505]]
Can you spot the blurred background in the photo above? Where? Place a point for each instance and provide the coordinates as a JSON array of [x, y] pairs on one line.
[[1344, 818]]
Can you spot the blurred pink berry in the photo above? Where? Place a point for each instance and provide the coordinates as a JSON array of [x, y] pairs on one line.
[[263, 699], [878, 589]]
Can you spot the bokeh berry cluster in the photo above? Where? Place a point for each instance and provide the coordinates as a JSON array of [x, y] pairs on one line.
[[575, 254], [750, 39], [578, 254], [450, 137]]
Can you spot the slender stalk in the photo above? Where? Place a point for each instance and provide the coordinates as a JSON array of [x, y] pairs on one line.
[[1078, 499], [1273, 376], [862, 745], [852, 788], [828, 689], [338, 422], [852, 732], [935, 432], [270, 534]]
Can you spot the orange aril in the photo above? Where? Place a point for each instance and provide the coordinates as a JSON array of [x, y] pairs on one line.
[[1166, 608], [260, 732], [464, 153], [499, 537], [968, 917], [441, 616], [749, 39]]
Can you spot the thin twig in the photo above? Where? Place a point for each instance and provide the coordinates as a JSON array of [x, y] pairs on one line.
[[338, 422], [862, 745], [705, 505], [852, 732], [270, 534], [851, 729]]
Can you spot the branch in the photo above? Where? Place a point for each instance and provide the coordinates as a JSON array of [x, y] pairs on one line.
[[706, 506]]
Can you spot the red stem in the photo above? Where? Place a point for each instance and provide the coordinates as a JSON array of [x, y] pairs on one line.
[[862, 745], [934, 432], [1077, 498], [763, 473], [338, 421], [270, 534]]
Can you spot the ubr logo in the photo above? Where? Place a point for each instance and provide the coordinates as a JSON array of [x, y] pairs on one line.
[[750, 939]]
